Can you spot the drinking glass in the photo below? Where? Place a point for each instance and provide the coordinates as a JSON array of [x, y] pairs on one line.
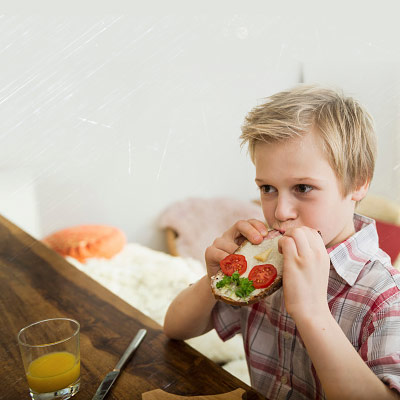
[[51, 357]]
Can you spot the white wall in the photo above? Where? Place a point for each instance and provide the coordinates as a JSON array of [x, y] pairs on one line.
[[117, 115]]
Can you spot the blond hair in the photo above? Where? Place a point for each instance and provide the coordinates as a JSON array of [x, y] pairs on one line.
[[345, 127]]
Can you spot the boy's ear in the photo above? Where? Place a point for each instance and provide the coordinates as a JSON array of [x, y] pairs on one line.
[[360, 192]]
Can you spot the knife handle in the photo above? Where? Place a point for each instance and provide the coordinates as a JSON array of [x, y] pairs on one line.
[[131, 348]]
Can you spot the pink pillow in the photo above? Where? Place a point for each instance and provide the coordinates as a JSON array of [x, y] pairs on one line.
[[198, 221], [389, 239], [85, 241]]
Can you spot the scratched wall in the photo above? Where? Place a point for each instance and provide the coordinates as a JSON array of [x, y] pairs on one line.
[[110, 118]]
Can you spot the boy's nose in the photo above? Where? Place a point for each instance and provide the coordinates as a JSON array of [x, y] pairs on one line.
[[285, 209]]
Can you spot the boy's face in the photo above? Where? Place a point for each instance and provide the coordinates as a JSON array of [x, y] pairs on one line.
[[299, 188]]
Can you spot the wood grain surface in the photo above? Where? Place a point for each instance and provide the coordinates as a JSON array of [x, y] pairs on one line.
[[36, 283], [159, 394]]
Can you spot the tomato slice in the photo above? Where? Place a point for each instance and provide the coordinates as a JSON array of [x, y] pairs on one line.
[[232, 263], [262, 275]]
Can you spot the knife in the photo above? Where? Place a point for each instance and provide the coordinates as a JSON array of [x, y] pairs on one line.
[[113, 375]]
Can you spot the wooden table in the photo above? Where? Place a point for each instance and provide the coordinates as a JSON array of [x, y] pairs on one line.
[[36, 283]]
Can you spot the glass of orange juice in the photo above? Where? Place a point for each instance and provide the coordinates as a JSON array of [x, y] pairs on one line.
[[51, 357]]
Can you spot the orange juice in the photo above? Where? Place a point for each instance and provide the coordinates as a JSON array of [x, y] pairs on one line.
[[53, 371]]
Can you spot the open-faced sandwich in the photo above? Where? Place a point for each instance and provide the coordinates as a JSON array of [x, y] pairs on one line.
[[251, 273]]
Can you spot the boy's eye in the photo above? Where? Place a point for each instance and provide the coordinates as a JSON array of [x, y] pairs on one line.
[[302, 188], [267, 189]]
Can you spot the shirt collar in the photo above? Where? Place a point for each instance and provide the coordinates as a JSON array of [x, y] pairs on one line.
[[349, 257]]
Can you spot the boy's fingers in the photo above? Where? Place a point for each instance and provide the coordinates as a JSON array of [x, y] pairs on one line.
[[287, 246], [301, 238], [213, 257], [306, 239], [252, 230], [260, 226], [225, 245], [220, 255]]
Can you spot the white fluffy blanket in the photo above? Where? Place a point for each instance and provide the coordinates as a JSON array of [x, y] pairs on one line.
[[198, 221], [149, 280]]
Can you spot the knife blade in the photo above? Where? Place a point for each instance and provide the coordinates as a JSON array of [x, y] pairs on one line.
[[110, 378]]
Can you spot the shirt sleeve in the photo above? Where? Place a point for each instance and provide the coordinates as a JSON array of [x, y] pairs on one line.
[[226, 319], [381, 349]]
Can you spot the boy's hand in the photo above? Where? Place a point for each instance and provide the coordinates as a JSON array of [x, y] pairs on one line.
[[305, 272], [252, 230]]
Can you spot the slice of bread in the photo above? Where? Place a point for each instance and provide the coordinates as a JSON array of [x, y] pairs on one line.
[[255, 255]]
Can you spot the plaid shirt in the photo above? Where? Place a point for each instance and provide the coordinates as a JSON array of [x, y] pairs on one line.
[[364, 298]]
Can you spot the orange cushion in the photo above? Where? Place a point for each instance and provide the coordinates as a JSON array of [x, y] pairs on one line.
[[85, 241]]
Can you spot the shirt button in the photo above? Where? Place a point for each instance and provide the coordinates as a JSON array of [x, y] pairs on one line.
[[286, 335], [284, 380]]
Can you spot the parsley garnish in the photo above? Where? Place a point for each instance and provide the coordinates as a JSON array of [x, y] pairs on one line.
[[243, 285]]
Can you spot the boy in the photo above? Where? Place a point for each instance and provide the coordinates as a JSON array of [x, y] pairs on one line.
[[334, 330]]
